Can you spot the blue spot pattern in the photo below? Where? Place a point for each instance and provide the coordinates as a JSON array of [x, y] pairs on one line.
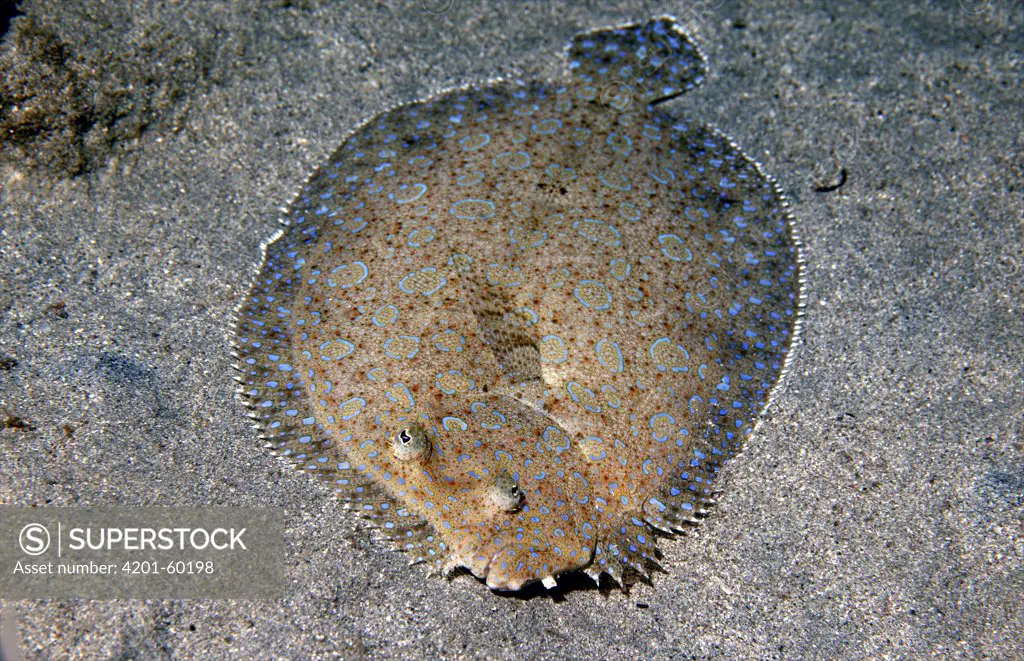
[[562, 284]]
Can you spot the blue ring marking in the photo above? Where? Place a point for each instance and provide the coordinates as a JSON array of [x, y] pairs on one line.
[[466, 209], [559, 172], [694, 409], [533, 316], [430, 233], [614, 263], [495, 426], [358, 224], [397, 356], [613, 401], [362, 277], [565, 437], [572, 386], [407, 193], [602, 306], [436, 339], [596, 441], [470, 179], [619, 142], [428, 269], [460, 256], [580, 136], [652, 132], [691, 213], [586, 223], [615, 181], [543, 236], [474, 142], [392, 315], [451, 421], [629, 211], [663, 366], [401, 387], [494, 269], [452, 391], [667, 238], [513, 160], [347, 349], [598, 348], [547, 126], [653, 421], [520, 210], [359, 400], [659, 171], [561, 343]]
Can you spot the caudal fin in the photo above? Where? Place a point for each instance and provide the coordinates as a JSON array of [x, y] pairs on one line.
[[639, 63]]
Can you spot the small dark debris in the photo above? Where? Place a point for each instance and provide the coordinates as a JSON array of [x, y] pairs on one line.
[[59, 309], [11, 421], [642, 605], [7, 363], [828, 175]]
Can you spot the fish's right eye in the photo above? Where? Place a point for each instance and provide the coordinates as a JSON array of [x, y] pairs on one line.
[[411, 443]]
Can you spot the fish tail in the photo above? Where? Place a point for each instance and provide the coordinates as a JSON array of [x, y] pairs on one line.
[[641, 63]]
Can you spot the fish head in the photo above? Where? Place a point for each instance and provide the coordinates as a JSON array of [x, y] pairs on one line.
[[512, 500]]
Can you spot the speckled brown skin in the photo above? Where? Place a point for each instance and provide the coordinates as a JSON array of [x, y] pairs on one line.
[[578, 305]]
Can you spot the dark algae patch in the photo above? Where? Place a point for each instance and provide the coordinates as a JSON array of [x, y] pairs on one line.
[[68, 107]]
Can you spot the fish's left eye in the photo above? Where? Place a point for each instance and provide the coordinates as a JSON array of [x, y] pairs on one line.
[[504, 493]]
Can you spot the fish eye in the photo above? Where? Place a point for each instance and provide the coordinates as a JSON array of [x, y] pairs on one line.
[[504, 493], [411, 443]]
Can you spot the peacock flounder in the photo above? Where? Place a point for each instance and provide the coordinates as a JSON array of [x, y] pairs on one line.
[[522, 327]]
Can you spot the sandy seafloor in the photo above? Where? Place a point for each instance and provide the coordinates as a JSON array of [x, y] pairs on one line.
[[878, 513]]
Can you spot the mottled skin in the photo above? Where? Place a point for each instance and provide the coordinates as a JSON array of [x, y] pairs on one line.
[[523, 326]]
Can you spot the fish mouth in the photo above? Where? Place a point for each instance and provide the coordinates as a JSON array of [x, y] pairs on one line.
[[497, 578]]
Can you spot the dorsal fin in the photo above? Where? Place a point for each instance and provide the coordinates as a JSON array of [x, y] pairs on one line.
[[279, 402], [643, 62]]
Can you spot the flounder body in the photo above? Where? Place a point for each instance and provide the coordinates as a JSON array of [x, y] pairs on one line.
[[522, 327]]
